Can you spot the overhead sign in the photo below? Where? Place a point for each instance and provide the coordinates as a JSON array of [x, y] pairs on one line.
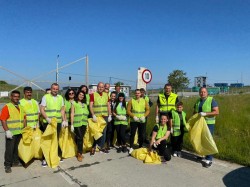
[[146, 76]]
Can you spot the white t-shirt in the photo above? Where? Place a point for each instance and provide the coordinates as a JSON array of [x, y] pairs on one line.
[[43, 103]]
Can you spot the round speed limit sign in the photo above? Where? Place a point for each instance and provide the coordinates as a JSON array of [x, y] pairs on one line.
[[146, 76]]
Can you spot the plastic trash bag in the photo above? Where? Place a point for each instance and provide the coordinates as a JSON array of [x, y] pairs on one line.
[[96, 129], [145, 156], [88, 140], [200, 136], [49, 144], [25, 150], [36, 144], [67, 143]]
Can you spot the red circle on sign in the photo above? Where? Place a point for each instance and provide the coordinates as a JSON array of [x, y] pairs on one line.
[[146, 76]]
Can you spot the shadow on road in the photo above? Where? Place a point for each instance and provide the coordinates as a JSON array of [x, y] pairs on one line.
[[239, 177]]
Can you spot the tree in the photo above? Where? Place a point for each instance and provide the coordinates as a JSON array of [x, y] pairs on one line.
[[178, 80]]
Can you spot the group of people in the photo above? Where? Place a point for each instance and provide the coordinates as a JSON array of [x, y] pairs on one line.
[[76, 108]]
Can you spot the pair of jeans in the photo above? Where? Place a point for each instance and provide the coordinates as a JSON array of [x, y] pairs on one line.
[[11, 150], [211, 129], [110, 133], [79, 134]]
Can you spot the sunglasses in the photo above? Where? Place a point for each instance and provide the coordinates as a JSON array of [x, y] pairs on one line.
[[71, 93]]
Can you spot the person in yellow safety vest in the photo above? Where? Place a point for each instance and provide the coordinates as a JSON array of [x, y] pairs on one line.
[[160, 134], [100, 107], [85, 89], [52, 106], [13, 121], [68, 102], [121, 122], [179, 128], [31, 108], [207, 107], [138, 110], [79, 121], [143, 95]]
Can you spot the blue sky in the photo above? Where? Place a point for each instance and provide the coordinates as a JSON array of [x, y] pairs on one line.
[[200, 37]]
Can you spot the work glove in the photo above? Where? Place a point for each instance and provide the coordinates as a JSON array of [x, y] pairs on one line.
[[202, 114], [157, 119], [48, 120], [155, 145], [109, 118], [124, 118], [119, 117], [37, 125], [8, 134], [136, 119], [64, 124], [72, 128], [142, 119], [171, 130], [94, 119]]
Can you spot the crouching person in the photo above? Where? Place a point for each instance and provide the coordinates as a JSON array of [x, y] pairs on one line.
[[160, 134]]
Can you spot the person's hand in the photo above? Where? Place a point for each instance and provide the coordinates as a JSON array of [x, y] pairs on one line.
[[72, 128], [136, 118], [119, 117], [37, 125], [142, 119], [157, 119], [158, 142], [124, 118], [109, 118], [8, 134], [65, 124], [48, 120], [94, 118], [202, 114], [171, 130], [154, 144]]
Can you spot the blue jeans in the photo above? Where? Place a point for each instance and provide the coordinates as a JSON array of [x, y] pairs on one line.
[[211, 129]]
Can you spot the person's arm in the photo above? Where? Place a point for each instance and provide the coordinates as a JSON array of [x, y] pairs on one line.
[[4, 115], [147, 109], [64, 118], [24, 122], [165, 137], [129, 109], [109, 108], [215, 112], [152, 140], [72, 113], [91, 103], [157, 107], [4, 124]]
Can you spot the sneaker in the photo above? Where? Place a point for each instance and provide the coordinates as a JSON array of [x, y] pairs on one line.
[[103, 150], [79, 157], [92, 152], [207, 163], [175, 154], [8, 169], [44, 163], [130, 151], [179, 154], [17, 164], [124, 149], [119, 149], [61, 159]]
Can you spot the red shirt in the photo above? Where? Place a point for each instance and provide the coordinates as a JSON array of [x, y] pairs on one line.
[[5, 113], [92, 99]]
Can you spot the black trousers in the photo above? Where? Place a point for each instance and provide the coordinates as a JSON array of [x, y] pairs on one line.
[[79, 134], [110, 133], [120, 130], [164, 150], [141, 129], [177, 141], [11, 150]]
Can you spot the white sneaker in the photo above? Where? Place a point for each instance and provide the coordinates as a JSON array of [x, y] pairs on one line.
[[44, 164], [175, 154], [130, 150]]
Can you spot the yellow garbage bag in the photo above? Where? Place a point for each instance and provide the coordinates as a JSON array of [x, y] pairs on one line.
[[36, 144], [88, 140], [67, 143], [96, 129], [49, 144], [200, 136], [25, 151], [145, 156]]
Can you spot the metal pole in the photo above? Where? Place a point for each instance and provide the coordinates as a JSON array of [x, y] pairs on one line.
[[57, 70], [87, 71]]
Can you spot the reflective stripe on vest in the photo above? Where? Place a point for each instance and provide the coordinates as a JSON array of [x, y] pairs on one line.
[[121, 111], [15, 121], [67, 108], [177, 122], [53, 107], [206, 107], [81, 114], [100, 107], [31, 111], [167, 105], [138, 108], [161, 131]]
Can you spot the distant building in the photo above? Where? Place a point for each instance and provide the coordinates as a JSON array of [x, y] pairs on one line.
[[200, 81], [224, 87], [237, 85]]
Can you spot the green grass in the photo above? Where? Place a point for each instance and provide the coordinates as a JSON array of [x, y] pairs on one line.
[[232, 129]]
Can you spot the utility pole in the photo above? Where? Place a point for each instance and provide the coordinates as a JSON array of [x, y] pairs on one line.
[[87, 71], [57, 68]]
